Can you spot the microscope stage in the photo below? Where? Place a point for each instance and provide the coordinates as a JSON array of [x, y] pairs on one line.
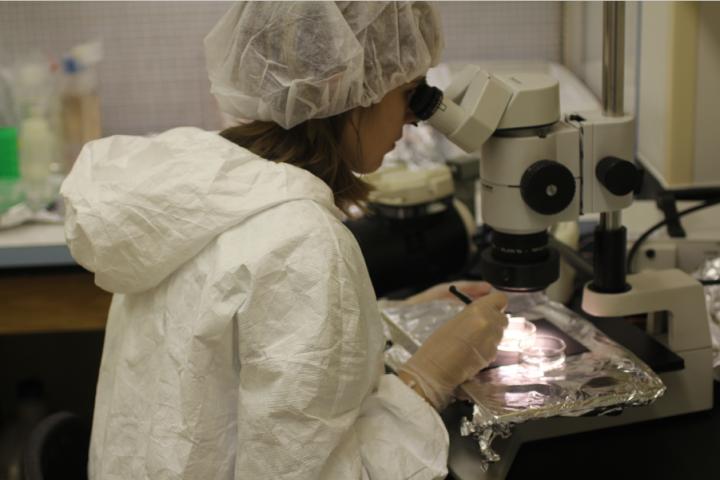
[[572, 346]]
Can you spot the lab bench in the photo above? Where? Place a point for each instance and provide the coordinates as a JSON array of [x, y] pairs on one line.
[[49, 300], [42, 289], [683, 447], [34, 245], [52, 320]]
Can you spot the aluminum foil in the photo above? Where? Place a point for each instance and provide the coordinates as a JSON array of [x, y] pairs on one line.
[[605, 379], [710, 270]]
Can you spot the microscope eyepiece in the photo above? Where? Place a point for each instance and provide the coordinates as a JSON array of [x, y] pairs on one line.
[[425, 101]]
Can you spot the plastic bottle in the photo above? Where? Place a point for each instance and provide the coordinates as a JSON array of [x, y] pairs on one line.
[[8, 153], [38, 151], [80, 100], [7, 101], [10, 191], [37, 142]]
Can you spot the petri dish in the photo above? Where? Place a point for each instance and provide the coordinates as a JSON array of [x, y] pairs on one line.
[[546, 352], [518, 335]]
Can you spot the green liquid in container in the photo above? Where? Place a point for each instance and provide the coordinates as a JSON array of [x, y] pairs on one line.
[[9, 168]]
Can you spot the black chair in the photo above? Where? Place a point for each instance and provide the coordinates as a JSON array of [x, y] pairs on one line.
[[57, 449]]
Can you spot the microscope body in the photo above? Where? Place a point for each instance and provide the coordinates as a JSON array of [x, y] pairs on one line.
[[535, 177], [515, 122], [537, 169]]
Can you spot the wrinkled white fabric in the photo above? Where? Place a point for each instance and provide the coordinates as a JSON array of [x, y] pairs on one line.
[[288, 62], [244, 339]]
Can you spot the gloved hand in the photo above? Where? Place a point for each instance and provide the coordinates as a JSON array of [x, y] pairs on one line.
[[457, 350]]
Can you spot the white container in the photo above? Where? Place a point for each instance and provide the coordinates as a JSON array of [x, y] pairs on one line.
[[38, 149], [518, 335], [546, 352]]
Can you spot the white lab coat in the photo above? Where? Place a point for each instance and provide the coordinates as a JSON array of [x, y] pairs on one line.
[[243, 339]]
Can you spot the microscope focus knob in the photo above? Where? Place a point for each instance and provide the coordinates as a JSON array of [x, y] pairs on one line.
[[619, 176], [548, 187]]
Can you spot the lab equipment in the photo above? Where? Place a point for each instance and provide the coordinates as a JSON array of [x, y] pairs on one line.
[[415, 229], [471, 289], [11, 192], [8, 154], [710, 272], [463, 298], [9, 168], [288, 63], [31, 408], [531, 169], [38, 150], [686, 242], [8, 113], [80, 101], [38, 145], [57, 448], [519, 335], [544, 351], [514, 402], [538, 168]]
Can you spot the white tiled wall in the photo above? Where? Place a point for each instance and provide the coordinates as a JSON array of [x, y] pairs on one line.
[[502, 30], [153, 76]]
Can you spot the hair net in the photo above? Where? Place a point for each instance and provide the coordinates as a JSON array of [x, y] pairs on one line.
[[288, 62]]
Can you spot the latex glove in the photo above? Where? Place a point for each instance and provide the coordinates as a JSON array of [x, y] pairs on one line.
[[457, 350], [442, 292]]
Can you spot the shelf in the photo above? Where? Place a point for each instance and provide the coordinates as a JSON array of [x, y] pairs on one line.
[[34, 245], [51, 300]]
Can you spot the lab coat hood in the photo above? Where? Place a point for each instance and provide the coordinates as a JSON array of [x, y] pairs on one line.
[[140, 207]]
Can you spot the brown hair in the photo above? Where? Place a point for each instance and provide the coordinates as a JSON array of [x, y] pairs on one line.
[[313, 145]]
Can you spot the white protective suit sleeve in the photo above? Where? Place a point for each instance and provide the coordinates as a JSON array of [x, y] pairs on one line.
[[313, 402]]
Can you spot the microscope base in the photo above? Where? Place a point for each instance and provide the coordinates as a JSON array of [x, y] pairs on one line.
[[688, 390]]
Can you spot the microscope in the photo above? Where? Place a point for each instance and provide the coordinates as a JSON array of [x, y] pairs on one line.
[[538, 168]]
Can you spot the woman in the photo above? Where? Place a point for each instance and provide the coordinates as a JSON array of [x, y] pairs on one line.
[[244, 339]]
